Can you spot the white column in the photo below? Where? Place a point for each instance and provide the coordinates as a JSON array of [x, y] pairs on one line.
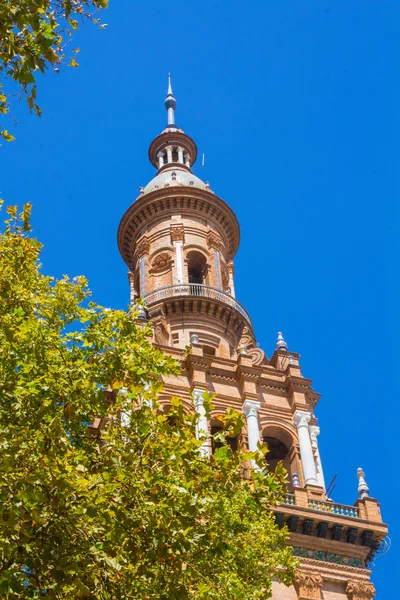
[[202, 424], [250, 409], [169, 154], [180, 155], [160, 157], [301, 420], [314, 431], [187, 160], [179, 262]]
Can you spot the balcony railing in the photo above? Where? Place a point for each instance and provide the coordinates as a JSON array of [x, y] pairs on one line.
[[330, 507], [289, 499], [197, 290], [337, 509]]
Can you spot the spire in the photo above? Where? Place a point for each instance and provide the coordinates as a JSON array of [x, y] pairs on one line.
[[281, 344], [170, 103]]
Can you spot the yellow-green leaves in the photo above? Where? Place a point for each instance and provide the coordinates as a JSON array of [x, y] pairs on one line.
[[103, 493], [33, 37]]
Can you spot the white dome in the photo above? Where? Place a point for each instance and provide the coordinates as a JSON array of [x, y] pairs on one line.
[[174, 177]]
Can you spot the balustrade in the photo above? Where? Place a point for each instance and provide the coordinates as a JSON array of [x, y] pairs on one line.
[[197, 290]]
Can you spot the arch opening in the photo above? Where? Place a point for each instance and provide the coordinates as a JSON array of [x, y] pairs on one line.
[[196, 267]]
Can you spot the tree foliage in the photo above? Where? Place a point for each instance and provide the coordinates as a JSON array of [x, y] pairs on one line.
[[36, 35], [137, 513]]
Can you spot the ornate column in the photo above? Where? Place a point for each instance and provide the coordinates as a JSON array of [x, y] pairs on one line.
[[314, 431], [301, 420], [250, 409], [180, 155], [187, 160], [359, 590], [202, 424], [308, 585], [169, 154], [177, 239]]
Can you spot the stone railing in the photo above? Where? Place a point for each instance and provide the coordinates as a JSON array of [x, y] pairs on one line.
[[197, 290], [337, 509], [330, 507], [289, 499]]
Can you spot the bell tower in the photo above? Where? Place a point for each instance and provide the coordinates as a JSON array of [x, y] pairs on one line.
[[179, 240]]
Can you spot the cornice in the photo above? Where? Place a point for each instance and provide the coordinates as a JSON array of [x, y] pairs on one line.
[[331, 570], [166, 202]]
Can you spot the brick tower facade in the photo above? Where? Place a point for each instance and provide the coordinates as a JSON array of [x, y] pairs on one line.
[[179, 240]]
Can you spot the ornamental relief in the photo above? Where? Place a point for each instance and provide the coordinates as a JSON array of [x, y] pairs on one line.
[[177, 233], [308, 585], [213, 240], [359, 590], [142, 247], [161, 262], [256, 354]]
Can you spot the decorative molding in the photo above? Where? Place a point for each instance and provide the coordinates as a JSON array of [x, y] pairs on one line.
[[359, 590], [308, 585], [213, 240], [177, 233], [161, 334], [150, 207], [143, 247], [328, 557]]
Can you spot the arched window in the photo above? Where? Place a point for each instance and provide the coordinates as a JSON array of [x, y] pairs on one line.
[[197, 266], [278, 452]]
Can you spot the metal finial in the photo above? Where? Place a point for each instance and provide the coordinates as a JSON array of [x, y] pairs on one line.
[[281, 344], [170, 103], [363, 488]]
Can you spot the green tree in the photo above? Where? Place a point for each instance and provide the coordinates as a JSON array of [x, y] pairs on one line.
[[138, 512], [35, 35]]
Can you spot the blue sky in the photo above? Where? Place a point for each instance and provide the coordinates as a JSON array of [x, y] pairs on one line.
[[295, 105]]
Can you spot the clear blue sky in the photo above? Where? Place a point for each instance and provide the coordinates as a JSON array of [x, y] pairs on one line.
[[295, 104]]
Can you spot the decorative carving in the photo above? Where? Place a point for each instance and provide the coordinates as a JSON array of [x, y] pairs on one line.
[[177, 233], [143, 247], [359, 590], [213, 240], [161, 334], [308, 585], [251, 408], [256, 354], [161, 262]]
